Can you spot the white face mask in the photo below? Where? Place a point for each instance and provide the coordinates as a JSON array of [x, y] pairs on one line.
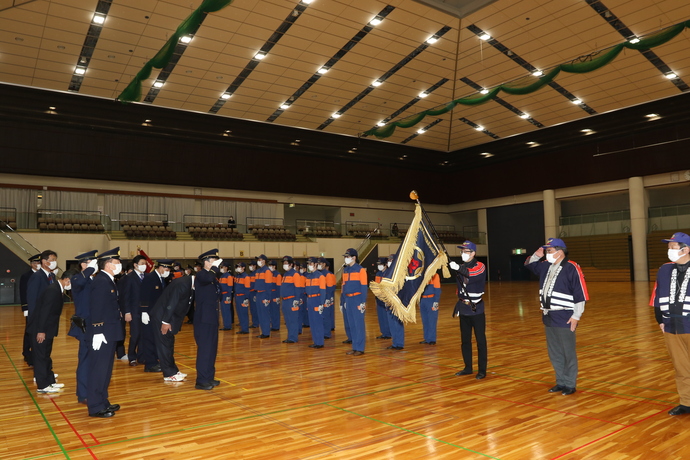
[[68, 287], [286, 267], [223, 270], [673, 254], [260, 263], [252, 268], [196, 269], [348, 260], [551, 258], [301, 270], [381, 267], [165, 274], [117, 269], [52, 265], [310, 268], [319, 267], [389, 263], [466, 257], [141, 268], [239, 269]]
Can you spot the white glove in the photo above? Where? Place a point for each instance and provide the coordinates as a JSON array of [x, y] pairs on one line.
[[217, 262], [98, 340], [145, 318], [26, 312], [93, 263], [454, 265]]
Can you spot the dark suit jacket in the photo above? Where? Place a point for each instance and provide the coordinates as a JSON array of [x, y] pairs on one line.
[[37, 283], [130, 293], [104, 315], [172, 306], [207, 296], [81, 295], [151, 289], [46, 315], [23, 285]]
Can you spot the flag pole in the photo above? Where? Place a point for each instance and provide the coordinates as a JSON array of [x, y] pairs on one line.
[[415, 196]]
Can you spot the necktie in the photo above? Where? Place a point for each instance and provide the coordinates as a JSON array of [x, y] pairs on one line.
[[51, 278], [141, 275]]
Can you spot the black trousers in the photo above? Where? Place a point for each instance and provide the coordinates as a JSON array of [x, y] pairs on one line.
[[26, 349], [134, 337], [467, 324], [165, 346], [43, 364], [100, 371]]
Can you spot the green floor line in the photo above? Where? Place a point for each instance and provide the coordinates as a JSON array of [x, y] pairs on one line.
[[414, 432], [62, 448]]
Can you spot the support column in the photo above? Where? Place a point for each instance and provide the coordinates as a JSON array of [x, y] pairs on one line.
[[482, 225], [639, 203], [552, 214]]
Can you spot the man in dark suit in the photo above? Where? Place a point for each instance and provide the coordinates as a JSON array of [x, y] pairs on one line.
[[43, 327], [41, 279], [166, 318], [104, 330], [130, 305], [81, 295], [151, 289], [206, 319], [35, 262]]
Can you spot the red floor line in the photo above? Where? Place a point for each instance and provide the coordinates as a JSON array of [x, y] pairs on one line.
[[96, 441], [74, 429], [607, 435]]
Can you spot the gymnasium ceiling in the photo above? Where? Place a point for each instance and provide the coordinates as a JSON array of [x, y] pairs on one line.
[[42, 44]]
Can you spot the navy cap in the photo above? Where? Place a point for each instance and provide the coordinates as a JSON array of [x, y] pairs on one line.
[[176, 264], [299, 265], [272, 262], [35, 258], [678, 237], [382, 260], [468, 245], [86, 256], [251, 262], [167, 263], [551, 242], [263, 257], [288, 259], [312, 260], [322, 260], [351, 252], [190, 267], [110, 254], [391, 257], [226, 263], [211, 253], [241, 264]]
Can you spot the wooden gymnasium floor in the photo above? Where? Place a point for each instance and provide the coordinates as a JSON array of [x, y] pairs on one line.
[[279, 401]]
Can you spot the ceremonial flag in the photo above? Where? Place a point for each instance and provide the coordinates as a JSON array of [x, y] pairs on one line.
[[418, 258], [149, 262]]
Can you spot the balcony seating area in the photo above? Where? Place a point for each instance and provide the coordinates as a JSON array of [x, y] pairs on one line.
[[211, 231], [271, 233], [153, 229], [66, 224]]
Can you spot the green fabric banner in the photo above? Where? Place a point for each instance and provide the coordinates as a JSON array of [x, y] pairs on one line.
[[530, 84]]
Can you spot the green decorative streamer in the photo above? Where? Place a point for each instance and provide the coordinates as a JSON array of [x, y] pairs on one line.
[[530, 84], [133, 91]]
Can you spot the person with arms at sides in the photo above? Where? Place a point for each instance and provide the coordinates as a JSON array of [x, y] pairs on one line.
[[354, 291], [152, 287], [167, 315], [263, 281], [43, 324], [381, 309], [81, 295], [252, 296], [315, 288], [303, 313], [562, 294], [226, 287], [35, 262], [428, 308], [242, 286], [121, 280], [103, 330], [274, 308], [291, 290], [130, 303], [207, 296], [671, 302], [329, 304]]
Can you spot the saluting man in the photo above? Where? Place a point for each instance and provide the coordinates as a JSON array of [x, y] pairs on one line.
[[103, 331], [354, 292], [207, 290]]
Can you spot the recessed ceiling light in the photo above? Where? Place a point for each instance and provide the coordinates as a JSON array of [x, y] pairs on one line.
[[284, 106], [375, 22], [260, 55], [185, 39], [225, 96], [484, 91], [652, 115], [485, 37], [158, 84], [98, 18], [479, 128], [537, 73], [576, 101], [423, 94], [531, 143], [421, 131], [147, 121], [80, 71], [486, 154], [228, 131], [52, 108], [336, 115], [524, 116], [380, 123], [634, 40], [586, 130], [307, 2], [377, 83], [350, 151], [671, 76], [323, 70], [431, 40]]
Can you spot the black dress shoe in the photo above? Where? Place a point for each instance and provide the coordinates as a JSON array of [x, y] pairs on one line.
[[133, 363], [263, 336], [242, 332], [313, 345], [432, 343], [253, 327], [105, 413], [156, 368], [274, 330], [305, 325], [679, 410], [326, 337], [113, 407], [556, 389], [83, 401], [465, 372], [214, 383], [332, 329], [480, 375], [225, 329], [203, 386], [347, 341], [382, 337], [423, 342], [289, 341], [394, 348], [357, 353], [568, 391]]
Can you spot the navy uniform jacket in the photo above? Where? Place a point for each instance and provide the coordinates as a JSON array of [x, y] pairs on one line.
[[207, 296], [151, 289], [172, 306], [474, 284], [23, 285], [46, 315], [104, 314], [130, 293], [81, 294], [37, 283]]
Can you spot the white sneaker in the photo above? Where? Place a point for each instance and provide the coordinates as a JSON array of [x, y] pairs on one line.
[[125, 358], [56, 376], [175, 378], [58, 385], [49, 389]]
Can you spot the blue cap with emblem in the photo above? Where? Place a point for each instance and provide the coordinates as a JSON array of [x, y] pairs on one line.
[[468, 245], [262, 257], [351, 252], [288, 259], [241, 264], [312, 260], [87, 256], [554, 242], [211, 253], [382, 260], [110, 254], [678, 237]]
